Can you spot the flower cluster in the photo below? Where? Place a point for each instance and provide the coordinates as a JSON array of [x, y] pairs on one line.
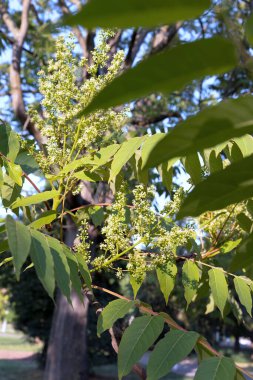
[[65, 94], [116, 229], [139, 235], [82, 245]]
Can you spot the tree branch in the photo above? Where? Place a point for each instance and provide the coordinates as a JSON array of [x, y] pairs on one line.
[[15, 79], [10, 24]]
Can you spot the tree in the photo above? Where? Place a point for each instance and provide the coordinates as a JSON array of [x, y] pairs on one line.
[[154, 151]]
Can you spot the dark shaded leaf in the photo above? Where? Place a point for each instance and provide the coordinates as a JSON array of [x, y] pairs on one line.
[[168, 71]]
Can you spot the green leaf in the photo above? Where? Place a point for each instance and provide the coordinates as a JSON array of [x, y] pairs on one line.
[[130, 13], [216, 369], [214, 125], [1, 178], [6, 261], [250, 207], [15, 172], [202, 352], [111, 313], [135, 285], [84, 270], [231, 185], [74, 275], [219, 287], [193, 167], [136, 340], [87, 176], [43, 261], [45, 218], [230, 245], [190, 279], [27, 162], [249, 29], [244, 255], [97, 215], [173, 348], [244, 222], [9, 141], [123, 155], [239, 375], [166, 175], [4, 246], [167, 277], [9, 191], [19, 241], [215, 162], [245, 144], [102, 157], [244, 293], [166, 72], [36, 198], [61, 267]]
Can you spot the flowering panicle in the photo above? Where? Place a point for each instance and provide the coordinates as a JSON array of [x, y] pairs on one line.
[[64, 98], [143, 240]]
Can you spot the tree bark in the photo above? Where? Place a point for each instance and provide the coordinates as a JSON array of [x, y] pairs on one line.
[[67, 349]]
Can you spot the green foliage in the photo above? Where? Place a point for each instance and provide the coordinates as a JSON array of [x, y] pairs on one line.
[[219, 287], [226, 187], [43, 261], [215, 369], [167, 276], [126, 14], [243, 290], [9, 142], [19, 242], [36, 198], [174, 347], [111, 313], [190, 278], [214, 125], [201, 58], [123, 155], [137, 339]]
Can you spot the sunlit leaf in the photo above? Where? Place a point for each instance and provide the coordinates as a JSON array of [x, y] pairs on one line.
[[36, 198], [167, 277], [231, 185], [214, 125], [219, 287], [244, 293], [124, 154], [190, 279], [19, 242], [45, 218]]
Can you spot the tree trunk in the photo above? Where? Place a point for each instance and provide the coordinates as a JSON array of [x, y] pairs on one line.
[[67, 349]]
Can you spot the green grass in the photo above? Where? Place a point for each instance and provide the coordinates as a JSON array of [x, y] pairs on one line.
[[15, 369], [17, 342]]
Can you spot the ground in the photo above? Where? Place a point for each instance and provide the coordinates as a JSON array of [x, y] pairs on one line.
[[18, 360]]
